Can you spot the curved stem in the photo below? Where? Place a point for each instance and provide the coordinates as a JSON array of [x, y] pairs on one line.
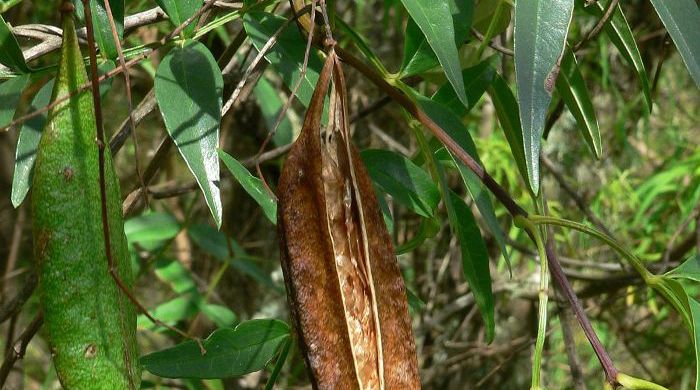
[[634, 261]]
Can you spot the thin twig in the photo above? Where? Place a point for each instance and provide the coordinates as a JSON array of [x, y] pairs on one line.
[[129, 100], [599, 26], [19, 347], [14, 249], [283, 112], [493, 44], [145, 107]]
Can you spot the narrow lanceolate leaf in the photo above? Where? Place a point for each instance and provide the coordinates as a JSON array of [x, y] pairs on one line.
[[508, 115], [540, 32], [103, 28], [573, 91], [179, 11], [27, 143], [10, 92], [287, 55], [252, 185], [682, 18], [475, 264], [433, 18], [476, 79], [458, 132], [10, 52], [230, 352], [695, 314], [475, 261], [188, 89], [620, 34], [402, 179], [418, 56], [345, 288]]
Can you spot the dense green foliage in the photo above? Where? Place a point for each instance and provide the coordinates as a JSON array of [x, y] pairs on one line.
[[583, 114]]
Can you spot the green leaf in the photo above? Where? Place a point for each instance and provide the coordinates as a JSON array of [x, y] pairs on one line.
[[179, 11], [30, 134], [278, 365], [539, 34], [417, 54], [10, 92], [573, 91], [214, 242], [455, 129], [673, 291], [151, 228], [360, 42], [221, 316], [171, 312], [431, 17], [690, 269], [428, 228], [682, 18], [287, 56], [415, 304], [103, 29], [230, 352], [476, 79], [188, 89], [620, 34], [175, 275], [27, 144], [10, 52], [252, 185], [270, 105], [475, 259], [491, 18], [509, 117], [402, 179], [695, 314]]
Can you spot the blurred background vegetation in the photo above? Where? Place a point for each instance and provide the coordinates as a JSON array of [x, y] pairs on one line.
[[645, 189]]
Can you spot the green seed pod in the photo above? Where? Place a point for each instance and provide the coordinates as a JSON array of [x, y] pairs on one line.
[[90, 323]]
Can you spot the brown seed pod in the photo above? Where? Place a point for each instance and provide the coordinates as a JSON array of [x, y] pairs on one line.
[[344, 285]]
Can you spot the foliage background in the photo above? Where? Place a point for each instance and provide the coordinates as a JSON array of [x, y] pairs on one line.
[[644, 188]]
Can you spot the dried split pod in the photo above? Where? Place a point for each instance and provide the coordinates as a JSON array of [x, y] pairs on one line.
[[90, 324], [344, 285]]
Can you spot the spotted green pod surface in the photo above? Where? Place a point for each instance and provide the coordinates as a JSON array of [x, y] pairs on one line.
[[90, 323]]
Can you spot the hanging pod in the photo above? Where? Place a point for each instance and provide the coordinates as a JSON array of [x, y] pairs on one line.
[[90, 323], [343, 281]]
